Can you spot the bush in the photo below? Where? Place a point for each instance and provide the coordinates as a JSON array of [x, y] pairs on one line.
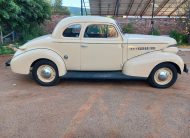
[[179, 37], [5, 50], [23, 16], [128, 28], [155, 32], [31, 33]]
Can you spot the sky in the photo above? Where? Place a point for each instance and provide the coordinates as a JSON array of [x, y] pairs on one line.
[[73, 3]]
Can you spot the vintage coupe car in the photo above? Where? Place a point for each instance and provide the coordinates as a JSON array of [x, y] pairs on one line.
[[97, 44]]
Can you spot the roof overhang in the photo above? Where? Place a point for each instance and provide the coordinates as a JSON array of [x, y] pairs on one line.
[[138, 7]]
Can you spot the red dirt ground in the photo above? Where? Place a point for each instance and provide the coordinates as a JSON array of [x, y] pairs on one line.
[[84, 108]]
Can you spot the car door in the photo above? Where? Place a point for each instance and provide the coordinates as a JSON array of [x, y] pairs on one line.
[[69, 46], [101, 48]]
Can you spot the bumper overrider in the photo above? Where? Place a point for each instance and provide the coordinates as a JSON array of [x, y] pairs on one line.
[[185, 69]]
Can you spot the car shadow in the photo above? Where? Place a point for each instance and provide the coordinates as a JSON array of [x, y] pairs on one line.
[[97, 80], [104, 81]]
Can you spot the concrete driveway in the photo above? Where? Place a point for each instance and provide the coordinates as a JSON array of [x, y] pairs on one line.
[[87, 108]]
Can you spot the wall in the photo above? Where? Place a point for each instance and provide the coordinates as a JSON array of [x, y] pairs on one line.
[[141, 26], [50, 25]]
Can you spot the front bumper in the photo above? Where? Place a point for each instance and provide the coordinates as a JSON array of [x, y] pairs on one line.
[[8, 63], [185, 69]]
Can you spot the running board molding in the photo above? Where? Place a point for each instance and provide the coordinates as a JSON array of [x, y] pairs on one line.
[[99, 75]]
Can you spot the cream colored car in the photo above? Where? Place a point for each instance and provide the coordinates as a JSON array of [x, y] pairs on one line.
[[96, 45]]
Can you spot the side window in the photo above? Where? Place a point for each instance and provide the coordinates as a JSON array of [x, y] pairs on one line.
[[100, 31], [111, 31], [72, 31]]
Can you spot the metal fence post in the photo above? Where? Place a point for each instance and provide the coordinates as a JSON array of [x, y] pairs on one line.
[[152, 20], [1, 36], [81, 8]]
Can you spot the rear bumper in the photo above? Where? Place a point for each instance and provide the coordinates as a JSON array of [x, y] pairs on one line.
[[185, 69]]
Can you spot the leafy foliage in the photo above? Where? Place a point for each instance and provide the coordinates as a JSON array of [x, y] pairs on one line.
[[128, 28], [8, 15], [32, 32], [5, 50], [154, 32], [179, 37], [59, 9], [185, 22], [23, 15]]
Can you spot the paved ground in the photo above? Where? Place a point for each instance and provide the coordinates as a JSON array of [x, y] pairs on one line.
[[184, 49], [84, 108]]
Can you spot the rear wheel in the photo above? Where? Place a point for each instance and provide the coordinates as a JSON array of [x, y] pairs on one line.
[[45, 73], [163, 75]]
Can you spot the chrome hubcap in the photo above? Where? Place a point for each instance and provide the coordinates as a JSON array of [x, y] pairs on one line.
[[163, 76], [46, 73]]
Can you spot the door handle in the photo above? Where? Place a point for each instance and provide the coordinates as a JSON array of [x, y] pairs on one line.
[[84, 46]]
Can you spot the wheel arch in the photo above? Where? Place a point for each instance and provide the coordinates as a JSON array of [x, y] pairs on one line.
[[169, 62], [37, 60], [22, 63]]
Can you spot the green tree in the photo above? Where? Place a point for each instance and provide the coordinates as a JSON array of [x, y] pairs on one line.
[[128, 28], [185, 22], [59, 9], [8, 15], [23, 15], [57, 5]]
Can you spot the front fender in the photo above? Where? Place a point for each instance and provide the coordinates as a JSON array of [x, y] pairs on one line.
[[142, 66], [22, 62]]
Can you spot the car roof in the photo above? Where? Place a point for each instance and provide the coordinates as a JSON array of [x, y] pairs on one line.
[[80, 19]]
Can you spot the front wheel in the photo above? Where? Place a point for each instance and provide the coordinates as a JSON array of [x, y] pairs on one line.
[[45, 73], [163, 75]]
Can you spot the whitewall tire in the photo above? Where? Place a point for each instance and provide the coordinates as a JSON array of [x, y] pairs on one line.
[[163, 75], [45, 73]]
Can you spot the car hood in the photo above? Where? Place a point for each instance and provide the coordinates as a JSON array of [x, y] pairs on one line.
[[142, 44], [148, 39]]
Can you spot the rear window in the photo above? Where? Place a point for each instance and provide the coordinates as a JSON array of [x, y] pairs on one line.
[[72, 31]]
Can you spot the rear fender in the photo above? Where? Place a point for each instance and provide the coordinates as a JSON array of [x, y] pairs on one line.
[[22, 63]]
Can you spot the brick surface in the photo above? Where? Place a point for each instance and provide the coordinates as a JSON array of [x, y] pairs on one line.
[[141, 26]]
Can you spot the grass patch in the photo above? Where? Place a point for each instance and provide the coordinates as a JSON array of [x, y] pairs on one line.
[[4, 50]]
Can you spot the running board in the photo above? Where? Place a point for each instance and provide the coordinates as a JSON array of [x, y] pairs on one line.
[[99, 75]]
